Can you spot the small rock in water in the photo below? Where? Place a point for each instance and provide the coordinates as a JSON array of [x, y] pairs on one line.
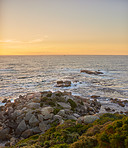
[[4, 101], [63, 83]]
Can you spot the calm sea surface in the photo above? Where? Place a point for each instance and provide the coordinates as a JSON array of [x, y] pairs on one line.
[[22, 74]]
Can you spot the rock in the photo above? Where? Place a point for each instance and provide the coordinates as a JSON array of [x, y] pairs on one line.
[[121, 104], [13, 141], [1, 115], [64, 105], [107, 109], [63, 83], [36, 130], [67, 83], [48, 116], [36, 100], [95, 96], [4, 134], [28, 115], [20, 118], [33, 121], [27, 133], [30, 96], [76, 115], [40, 117], [33, 105], [71, 117], [91, 72], [7, 144], [60, 82], [57, 117], [89, 119], [82, 110], [46, 110], [21, 127], [46, 93], [80, 120], [16, 114], [62, 113], [42, 126], [4, 101], [67, 93]]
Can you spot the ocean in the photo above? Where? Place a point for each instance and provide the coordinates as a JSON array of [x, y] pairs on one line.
[[23, 74]]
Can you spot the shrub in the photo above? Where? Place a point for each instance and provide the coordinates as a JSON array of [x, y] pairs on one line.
[[49, 95], [72, 103], [56, 110], [41, 104], [51, 103]]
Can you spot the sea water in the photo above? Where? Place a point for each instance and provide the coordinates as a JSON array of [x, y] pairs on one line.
[[23, 74]]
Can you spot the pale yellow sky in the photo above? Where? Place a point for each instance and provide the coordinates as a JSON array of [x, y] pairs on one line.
[[96, 27]]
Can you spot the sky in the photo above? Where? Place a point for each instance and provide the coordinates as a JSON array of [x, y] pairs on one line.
[[63, 27]]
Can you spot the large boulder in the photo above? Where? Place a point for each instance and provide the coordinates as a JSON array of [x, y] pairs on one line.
[[89, 119], [28, 115], [21, 127], [64, 105], [47, 110], [91, 72], [63, 83], [33, 105], [42, 126], [4, 134], [16, 113], [27, 133], [33, 121]]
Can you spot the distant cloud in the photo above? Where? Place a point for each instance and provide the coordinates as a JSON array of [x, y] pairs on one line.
[[27, 42]]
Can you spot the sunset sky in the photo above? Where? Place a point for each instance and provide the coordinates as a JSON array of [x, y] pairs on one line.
[[63, 27]]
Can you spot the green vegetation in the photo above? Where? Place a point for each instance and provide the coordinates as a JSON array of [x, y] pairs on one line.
[[110, 131], [56, 110], [72, 103]]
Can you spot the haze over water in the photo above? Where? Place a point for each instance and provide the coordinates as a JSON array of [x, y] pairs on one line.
[[22, 74]]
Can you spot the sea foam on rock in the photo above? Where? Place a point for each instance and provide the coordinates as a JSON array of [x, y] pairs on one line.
[[35, 113]]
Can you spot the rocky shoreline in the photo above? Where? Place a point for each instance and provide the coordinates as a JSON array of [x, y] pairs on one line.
[[34, 113]]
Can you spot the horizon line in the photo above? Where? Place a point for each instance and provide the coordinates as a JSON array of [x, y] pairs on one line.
[[71, 55]]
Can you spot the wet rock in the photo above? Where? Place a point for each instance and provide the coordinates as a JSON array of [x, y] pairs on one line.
[[121, 104], [63, 83], [91, 72], [4, 101], [107, 109], [95, 96], [33, 121]]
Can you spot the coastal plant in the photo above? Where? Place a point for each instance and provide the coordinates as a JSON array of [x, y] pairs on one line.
[[72, 103], [56, 110], [49, 95], [113, 133]]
